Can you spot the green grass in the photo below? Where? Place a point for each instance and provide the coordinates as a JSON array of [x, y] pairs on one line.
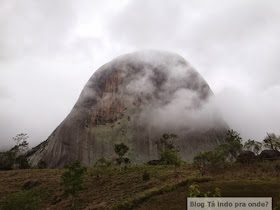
[[22, 200], [140, 198]]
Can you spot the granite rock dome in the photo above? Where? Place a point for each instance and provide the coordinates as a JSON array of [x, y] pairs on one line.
[[134, 99]]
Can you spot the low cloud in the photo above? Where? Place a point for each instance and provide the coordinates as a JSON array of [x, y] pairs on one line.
[[49, 50], [251, 113]]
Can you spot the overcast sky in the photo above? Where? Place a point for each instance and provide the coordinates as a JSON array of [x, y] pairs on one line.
[[50, 48]]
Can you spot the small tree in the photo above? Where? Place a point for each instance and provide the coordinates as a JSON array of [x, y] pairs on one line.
[[15, 155], [272, 141], [21, 144], [42, 164], [253, 146], [233, 145], [7, 160], [22, 162], [171, 157], [210, 159], [145, 176], [166, 141], [168, 154], [277, 168], [216, 158], [72, 179], [102, 162], [232, 135], [121, 150]]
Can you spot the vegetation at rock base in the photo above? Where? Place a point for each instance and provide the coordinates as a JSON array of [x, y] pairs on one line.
[[42, 164], [210, 159], [233, 145], [216, 158], [73, 178], [168, 154], [171, 157], [21, 143], [102, 162], [233, 150], [272, 141], [7, 160], [22, 162], [143, 186], [254, 146], [166, 141], [121, 150], [14, 158]]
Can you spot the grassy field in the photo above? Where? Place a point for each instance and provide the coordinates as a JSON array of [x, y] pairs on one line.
[[110, 188]]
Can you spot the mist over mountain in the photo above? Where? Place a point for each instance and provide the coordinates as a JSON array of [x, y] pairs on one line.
[[50, 49], [134, 99]]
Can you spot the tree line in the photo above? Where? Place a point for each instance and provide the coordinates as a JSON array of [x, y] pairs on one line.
[[233, 150], [15, 158]]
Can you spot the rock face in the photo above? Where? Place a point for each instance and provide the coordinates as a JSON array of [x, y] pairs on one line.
[[134, 99]]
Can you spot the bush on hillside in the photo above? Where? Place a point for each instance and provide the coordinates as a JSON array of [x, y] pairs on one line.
[[73, 178], [22, 200], [102, 162], [171, 157], [42, 164]]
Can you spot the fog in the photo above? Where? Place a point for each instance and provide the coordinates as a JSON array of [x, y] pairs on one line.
[[49, 50], [173, 96]]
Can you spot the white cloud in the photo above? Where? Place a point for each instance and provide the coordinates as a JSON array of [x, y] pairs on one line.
[[49, 49]]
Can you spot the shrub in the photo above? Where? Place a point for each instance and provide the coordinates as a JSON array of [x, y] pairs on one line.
[[14, 156], [126, 161], [253, 146], [277, 168], [102, 162], [272, 142], [7, 160], [72, 179], [166, 141], [42, 164], [22, 162], [171, 157], [121, 150], [233, 145], [21, 144], [246, 157], [20, 201], [168, 154], [213, 159], [195, 192], [146, 176]]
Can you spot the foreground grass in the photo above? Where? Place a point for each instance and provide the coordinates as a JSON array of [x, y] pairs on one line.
[[139, 199], [110, 188]]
